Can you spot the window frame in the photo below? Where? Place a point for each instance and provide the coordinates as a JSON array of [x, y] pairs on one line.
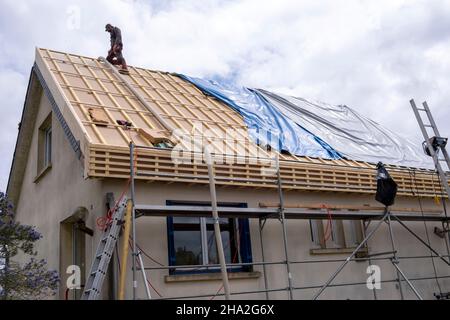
[[44, 147], [79, 256], [47, 146], [345, 234], [240, 226]]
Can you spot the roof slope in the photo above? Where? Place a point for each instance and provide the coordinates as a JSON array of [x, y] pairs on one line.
[[82, 86], [87, 84]]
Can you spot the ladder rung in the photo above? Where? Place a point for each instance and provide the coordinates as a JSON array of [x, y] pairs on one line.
[[421, 109], [90, 290], [428, 125]]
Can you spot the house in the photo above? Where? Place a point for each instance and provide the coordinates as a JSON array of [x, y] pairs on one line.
[[72, 162]]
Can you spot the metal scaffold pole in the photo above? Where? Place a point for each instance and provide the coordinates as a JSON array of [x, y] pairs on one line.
[[261, 227], [395, 260], [395, 264], [283, 224], [438, 255], [133, 217], [374, 290]]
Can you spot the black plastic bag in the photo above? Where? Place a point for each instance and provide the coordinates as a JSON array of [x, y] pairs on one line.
[[386, 186]]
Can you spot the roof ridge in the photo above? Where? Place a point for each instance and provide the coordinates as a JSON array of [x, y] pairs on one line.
[[92, 58]]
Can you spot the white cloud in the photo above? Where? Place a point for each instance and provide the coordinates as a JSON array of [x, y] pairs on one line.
[[371, 55]]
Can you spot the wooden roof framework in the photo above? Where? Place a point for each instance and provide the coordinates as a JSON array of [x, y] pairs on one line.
[[86, 83]]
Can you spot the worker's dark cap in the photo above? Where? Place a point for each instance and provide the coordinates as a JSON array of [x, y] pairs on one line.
[[108, 26]]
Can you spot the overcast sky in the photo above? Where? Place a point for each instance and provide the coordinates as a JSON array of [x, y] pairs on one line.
[[373, 56]]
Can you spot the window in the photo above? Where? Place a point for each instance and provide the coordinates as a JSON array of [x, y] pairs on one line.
[[338, 234], [48, 147], [192, 242], [45, 145]]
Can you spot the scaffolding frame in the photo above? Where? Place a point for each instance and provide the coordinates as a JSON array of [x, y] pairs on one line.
[[282, 214]]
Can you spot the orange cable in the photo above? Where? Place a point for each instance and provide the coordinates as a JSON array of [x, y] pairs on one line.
[[329, 228]]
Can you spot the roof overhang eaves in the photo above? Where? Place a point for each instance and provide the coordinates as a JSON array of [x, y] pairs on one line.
[[24, 137]]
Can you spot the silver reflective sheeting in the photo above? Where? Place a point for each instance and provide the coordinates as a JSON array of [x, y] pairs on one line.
[[352, 135]]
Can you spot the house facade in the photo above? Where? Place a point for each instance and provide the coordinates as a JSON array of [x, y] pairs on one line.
[[72, 163]]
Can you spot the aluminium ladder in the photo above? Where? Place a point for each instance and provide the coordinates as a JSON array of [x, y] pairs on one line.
[[434, 153], [104, 253]]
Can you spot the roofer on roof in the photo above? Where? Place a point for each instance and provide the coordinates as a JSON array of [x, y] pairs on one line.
[[115, 53]]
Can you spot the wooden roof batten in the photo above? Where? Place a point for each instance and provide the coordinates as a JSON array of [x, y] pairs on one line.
[[84, 83]]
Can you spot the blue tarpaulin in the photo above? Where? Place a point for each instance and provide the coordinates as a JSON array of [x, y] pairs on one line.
[[266, 124]]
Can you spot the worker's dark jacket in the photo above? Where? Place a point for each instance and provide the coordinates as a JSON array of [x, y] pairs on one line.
[[116, 37]]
